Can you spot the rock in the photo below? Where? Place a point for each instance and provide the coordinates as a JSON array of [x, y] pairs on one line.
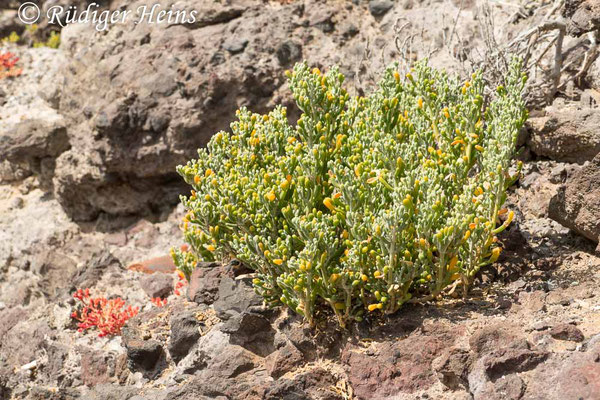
[[289, 52], [185, 332], [235, 297], [252, 331], [566, 135], [577, 203], [452, 368], [145, 356], [204, 283], [379, 8], [53, 267], [12, 350], [235, 45], [32, 141], [582, 16], [284, 360], [99, 366], [112, 392], [91, 273], [142, 337], [498, 352], [400, 366], [163, 264], [317, 383], [567, 332], [157, 285]]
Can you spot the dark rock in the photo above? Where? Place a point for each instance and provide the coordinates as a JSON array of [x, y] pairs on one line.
[[236, 296], [93, 270], [145, 352], [235, 45], [251, 331], [157, 285], [567, 332], [204, 283], [582, 16], [284, 360], [145, 356], [380, 7], [577, 203], [288, 52], [185, 333]]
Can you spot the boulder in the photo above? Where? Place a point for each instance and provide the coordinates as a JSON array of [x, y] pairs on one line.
[[577, 203], [566, 135]]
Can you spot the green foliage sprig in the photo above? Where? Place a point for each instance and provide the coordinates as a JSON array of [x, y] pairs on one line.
[[368, 202]]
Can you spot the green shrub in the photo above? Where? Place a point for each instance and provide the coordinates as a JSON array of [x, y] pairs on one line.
[[369, 202]]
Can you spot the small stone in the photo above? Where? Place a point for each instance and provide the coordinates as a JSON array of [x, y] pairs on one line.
[[567, 332], [235, 45], [377, 8], [17, 203], [284, 360], [157, 285], [288, 52]]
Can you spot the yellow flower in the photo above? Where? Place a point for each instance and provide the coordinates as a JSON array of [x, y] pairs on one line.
[[278, 261], [377, 306], [208, 172], [196, 179], [329, 203], [210, 247], [270, 196], [467, 235], [452, 263], [364, 277], [334, 277], [420, 102], [397, 76], [377, 274]]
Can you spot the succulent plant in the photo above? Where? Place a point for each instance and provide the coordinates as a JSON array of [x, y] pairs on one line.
[[368, 202]]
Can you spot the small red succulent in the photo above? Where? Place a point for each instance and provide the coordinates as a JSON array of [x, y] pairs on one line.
[[107, 315], [8, 63]]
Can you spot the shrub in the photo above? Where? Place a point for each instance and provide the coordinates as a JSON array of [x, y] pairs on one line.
[[368, 202]]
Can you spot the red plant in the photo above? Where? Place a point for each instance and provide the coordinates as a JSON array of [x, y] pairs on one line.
[[158, 302], [108, 316], [8, 63], [180, 283]]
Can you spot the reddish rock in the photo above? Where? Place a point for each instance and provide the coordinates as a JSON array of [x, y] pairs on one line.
[[577, 203], [204, 283], [402, 366], [162, 264], [98, 367], [452, 368], [283, 360], [567, 332]]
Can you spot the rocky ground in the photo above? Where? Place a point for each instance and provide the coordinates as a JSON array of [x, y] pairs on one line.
[[90, 134]]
